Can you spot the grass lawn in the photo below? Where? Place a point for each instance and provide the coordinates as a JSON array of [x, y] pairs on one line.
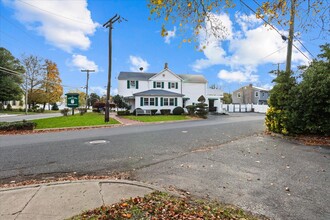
[[160, 205], [156, 118], [77, 120]]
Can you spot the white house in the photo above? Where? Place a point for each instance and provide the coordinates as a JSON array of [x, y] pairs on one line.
[[166, 90]]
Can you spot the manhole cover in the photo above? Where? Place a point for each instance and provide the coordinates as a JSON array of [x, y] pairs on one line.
[[98, 142]]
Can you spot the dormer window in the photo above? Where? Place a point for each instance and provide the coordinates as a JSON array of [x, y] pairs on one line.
[[132, 84], [158, 85]]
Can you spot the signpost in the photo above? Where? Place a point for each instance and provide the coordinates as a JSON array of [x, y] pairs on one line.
[[72, 101]]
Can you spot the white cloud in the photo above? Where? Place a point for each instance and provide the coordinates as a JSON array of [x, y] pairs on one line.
[[170, 34], [65, 25], [237, 76], [81, 62], [98, 90], [250, 45], [137, 62], [103, 90]]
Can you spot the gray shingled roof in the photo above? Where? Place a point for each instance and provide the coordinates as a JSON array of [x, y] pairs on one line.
[[157, 92], [135, 76], [188, 78], [192, 78]]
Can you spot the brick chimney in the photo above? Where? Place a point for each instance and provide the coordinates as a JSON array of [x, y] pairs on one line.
[[166, 66]]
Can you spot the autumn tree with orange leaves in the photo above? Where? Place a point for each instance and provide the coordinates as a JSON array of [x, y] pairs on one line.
[[52, 84]]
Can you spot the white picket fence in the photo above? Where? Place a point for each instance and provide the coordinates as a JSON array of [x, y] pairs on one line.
[[245, 108]]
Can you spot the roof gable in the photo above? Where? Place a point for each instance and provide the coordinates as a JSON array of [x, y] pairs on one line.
[[165, 74]]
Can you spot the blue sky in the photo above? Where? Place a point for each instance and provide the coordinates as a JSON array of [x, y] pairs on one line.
[[70, 33]]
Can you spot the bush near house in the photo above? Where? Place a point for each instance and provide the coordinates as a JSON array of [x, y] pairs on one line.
[[178, 111], [153, 111], [165, 111], [191, 109], [21, 125]]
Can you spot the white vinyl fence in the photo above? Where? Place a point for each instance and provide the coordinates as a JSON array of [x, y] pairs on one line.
[[245, 108]]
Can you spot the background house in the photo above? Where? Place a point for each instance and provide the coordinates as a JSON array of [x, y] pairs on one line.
[[166, 90], [250, 95]]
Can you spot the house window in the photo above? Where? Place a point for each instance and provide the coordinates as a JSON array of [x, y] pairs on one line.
[[145, 101], [158, 85], [171, 102], [132, 82], [165, 101], [14, 102], [257, 94], [263, 94], [238, 95], [173, 86], [152, 101]]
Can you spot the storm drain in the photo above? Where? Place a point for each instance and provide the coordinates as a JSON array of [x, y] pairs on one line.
[[96, 142]]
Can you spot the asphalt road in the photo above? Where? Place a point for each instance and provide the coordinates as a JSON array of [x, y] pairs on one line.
[[11, 118], [223, 157], [117, 149]]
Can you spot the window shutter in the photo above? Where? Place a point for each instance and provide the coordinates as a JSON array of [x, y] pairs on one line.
[[136, 84], [169, 85], [141, 101], [154, 84], [128, 84], [162, 85], [161, 101], [176, 101], [156, 101], [176, 85]]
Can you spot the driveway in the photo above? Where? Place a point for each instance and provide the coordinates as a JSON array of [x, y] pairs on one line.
[[265, 175]]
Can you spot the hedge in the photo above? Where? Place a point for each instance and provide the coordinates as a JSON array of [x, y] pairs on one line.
[[18, 125]]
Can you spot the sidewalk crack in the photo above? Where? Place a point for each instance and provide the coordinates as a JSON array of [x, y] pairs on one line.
[[100, 192], [19, 212]]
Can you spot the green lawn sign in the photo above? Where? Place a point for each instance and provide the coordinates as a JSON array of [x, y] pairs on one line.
[[72, 101]]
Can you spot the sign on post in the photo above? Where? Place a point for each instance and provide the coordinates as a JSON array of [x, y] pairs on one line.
[[72, 100]]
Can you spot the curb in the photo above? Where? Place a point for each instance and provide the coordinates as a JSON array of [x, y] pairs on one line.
[[126, 182]]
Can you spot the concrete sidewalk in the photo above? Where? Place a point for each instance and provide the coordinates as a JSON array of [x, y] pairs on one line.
[[60, 200]]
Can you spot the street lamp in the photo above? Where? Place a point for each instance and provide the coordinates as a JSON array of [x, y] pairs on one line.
[[109, 25]]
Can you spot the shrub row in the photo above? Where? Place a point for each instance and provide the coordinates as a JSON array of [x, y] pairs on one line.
[[19, 125]]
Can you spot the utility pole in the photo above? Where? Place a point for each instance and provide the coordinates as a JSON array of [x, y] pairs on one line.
[[109, 24], [88, 71], [278, 67], [26, 93], [290, 40]]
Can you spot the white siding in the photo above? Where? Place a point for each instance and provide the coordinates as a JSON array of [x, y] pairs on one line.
[[138, 103], [193, 91], [124, 91]]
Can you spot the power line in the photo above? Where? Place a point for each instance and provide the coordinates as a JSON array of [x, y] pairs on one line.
[[282, 36], [293, 35], [273, 53], [54, 14]]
